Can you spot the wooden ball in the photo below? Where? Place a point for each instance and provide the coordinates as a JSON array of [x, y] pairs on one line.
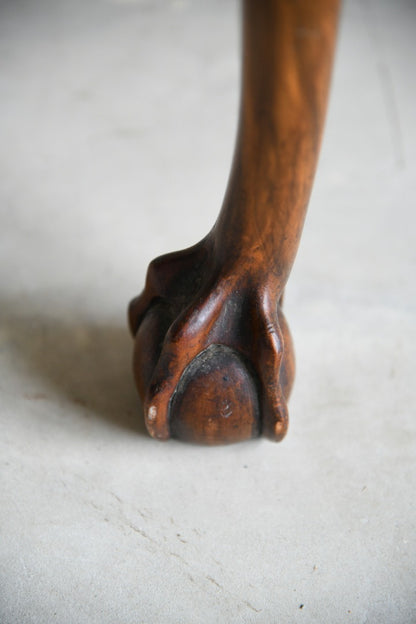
[[216, 400]]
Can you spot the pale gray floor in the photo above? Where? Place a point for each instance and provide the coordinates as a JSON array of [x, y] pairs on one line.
[[117, 125]]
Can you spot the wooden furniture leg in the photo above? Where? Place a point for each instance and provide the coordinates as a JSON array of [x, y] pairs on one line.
[[213, 357]]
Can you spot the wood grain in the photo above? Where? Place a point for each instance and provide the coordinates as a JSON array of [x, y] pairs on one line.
[[213, 357]]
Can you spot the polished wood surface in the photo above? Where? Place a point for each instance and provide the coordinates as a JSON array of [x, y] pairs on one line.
[[213, 356]]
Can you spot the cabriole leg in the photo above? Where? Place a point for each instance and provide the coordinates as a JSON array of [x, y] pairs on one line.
[[213, 357]]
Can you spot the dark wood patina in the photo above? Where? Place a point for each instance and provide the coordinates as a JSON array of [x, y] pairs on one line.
[[213, 356]]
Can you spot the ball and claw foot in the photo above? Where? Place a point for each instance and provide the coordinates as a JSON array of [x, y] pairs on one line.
[[213, 356]]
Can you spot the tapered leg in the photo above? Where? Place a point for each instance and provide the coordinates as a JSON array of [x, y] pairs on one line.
[[213, 358]]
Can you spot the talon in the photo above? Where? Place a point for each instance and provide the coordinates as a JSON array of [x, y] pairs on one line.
[[209, 372]]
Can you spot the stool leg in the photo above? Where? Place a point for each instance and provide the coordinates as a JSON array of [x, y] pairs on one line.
[[213, 357]]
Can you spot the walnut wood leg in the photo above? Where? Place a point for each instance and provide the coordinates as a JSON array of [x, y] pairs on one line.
[[213, 357]]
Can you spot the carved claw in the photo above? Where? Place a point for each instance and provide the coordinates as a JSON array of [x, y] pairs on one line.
[[213, 357]]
